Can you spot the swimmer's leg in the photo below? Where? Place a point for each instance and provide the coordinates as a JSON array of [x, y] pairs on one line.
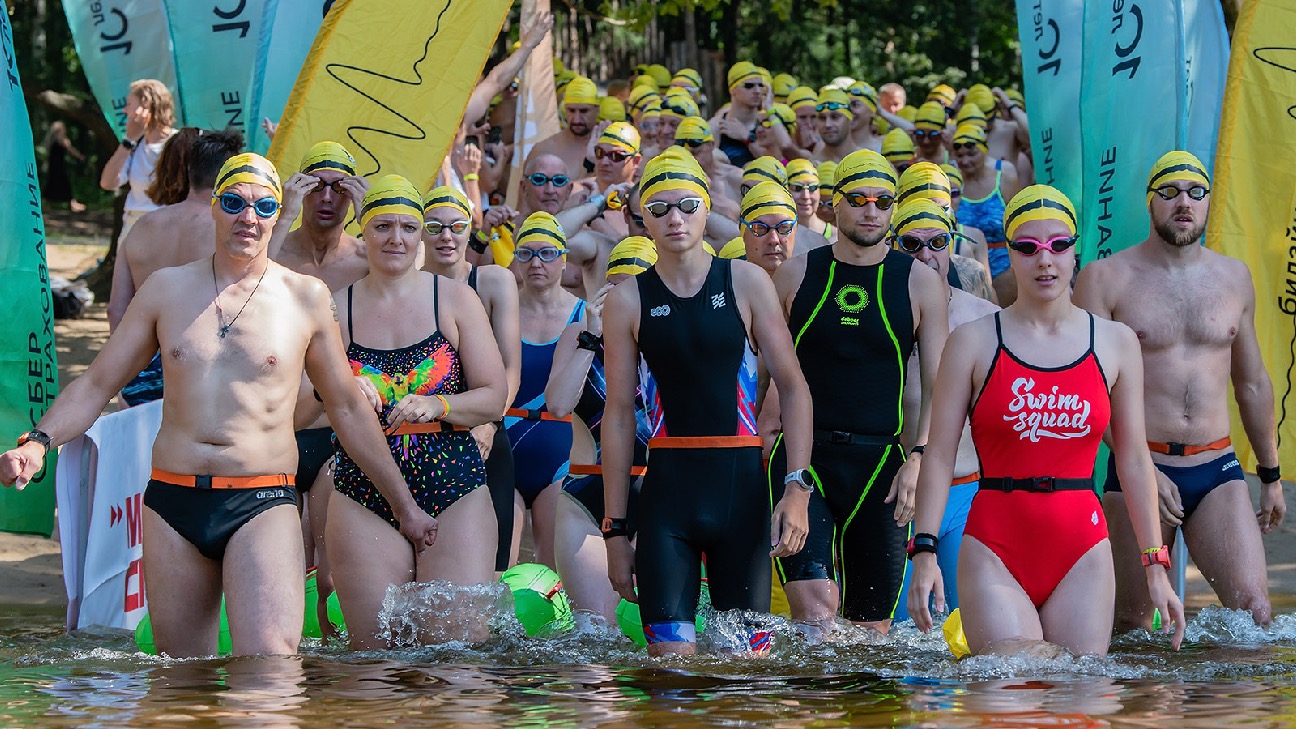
[[318, 503], [543, 513], [463, 554], [1078, 615], [582, 560], [519, 524], [1225, 543], [265, 583], [1133, 603], [183, 589], [997, 614], [366, 555]]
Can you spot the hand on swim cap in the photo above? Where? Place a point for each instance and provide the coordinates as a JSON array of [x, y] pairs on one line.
[[251, 168], [391, 195], [328, 156]]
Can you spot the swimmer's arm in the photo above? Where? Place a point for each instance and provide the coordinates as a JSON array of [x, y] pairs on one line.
[[1251, 384], [933, 329], [533, 32], [773, 342], [722, 228], [620, 359], [1089, 289], [949, 410], [787, 280], [482, 401], [896, 121], [567, 377], [1010, 183], [504, 316], [123, 285]]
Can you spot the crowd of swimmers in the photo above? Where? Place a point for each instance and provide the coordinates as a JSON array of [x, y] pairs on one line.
[[694, 347]]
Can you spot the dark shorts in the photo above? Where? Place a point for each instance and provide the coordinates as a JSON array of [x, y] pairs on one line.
[[1194, 482], [853, 536], [587, 491], [147, 385], [499, 479], [314, 449], [208, 518]]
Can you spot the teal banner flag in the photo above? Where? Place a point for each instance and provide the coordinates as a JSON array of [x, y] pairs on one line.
[[1052, 58], [120, 41], [288, 29], [215, 47], [28, 369]]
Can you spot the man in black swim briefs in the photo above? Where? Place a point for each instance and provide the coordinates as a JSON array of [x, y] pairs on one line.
[[235, 331], [1194, 312]]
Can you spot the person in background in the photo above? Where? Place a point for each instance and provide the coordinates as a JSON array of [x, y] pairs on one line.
[[150, 112], [58, 181]]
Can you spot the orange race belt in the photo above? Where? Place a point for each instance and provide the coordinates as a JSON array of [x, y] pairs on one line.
[[1179, 449], [436, 426], [535, 415], [974, 476], [224, 482], [596, 469], [706, 441]]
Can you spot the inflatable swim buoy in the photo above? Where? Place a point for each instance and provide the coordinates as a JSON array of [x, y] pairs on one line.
[[954, 638], [631, 622], [310, 623], [538, 599]]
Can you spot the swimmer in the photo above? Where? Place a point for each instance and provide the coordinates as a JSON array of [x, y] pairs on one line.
[[987, 184], [835, 120], [808, 192], [580, 107]]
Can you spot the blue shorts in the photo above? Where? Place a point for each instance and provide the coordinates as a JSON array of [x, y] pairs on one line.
[[947, 551], [1194, 482]]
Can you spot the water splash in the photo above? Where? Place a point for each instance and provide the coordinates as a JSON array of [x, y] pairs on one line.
[[439, 612], [1215, 624]]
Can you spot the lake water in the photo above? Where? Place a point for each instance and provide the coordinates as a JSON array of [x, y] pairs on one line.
[[1230, 673]]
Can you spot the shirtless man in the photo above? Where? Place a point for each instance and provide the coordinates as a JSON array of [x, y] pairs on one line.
[[233, 361], [694, 134], [928, 239], [170, 236], [1194, 313], [545, 187], [580, 108], [835, 119], [864, 106], [1007, 132], [324, 192]]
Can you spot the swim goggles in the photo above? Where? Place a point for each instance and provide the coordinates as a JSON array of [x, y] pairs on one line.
[[434, 227], [540, 180], [913, 244], [859, 200], [1170, 192], [546, 255], [1030, 246], [661, 208], [231, 203], [761, 229]]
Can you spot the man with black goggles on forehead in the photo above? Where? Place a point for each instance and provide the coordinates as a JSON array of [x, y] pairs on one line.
[[1194, 312]]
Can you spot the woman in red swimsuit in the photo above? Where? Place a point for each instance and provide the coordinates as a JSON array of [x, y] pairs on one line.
[[1041, 381]]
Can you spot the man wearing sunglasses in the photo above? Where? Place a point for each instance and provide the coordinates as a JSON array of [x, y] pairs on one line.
[[835, 119], [925, 230], [580, 109], [698, 322], [235, 331], [1194, 312], [930, 137], [546, 186], [856, 309], [737, 124]]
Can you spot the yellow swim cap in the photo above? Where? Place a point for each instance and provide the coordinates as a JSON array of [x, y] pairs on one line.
[[1016, 97], [680, 106], [784, 114], [646, 81], [970, 113], [954, 637], [611, 109], [802, 171], [924, 180], [651, 110], [743, 71], [908, 113], [784, 85], [881, 125], [930, 117], [764, 168], [541, 227], [827, 171], [391, 195], [1038, 202], [687, 78], [767, 198], [835, 100], [563, 78], [446, 196], [863, 168], [328, 156], [248, 167], [674, 169], [694, 129], [920, 213], [980, 95], [862, 90], [580, 91], [954, 174], [558, 66], [802, 96], [660, 74], [1177, 165], [633, 255], [735, 249], [897, 147], [641, 96], [974, 133], [621, 135], [942, 94]]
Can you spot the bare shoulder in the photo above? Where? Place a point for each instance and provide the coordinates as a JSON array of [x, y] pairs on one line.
[[749, 276], [308, 290], [974, 339], [497, 280], [457, 292], [625, 294], [965, 307], [1114, 334], [1236, 270]]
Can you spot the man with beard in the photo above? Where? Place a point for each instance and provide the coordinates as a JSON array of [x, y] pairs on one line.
[[580, 109], [1194, 313], [856, 309], [835, 119]]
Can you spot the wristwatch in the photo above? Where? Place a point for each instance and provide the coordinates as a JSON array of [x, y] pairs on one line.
[[478, 241], [922, 542], [586, 340], [918, 449], [614, 528], [598, 199], [36, 436], [1269, 475], [802, 478], [1160, 555], [128, 143]]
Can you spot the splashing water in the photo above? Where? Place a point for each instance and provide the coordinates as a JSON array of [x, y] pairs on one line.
[[429, 613]]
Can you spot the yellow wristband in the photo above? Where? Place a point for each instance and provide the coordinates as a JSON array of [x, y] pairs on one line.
[[445, 404], [471, 177]]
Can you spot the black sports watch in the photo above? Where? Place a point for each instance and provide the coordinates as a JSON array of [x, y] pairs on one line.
[[129, 144], [586, 340], [36, 436]]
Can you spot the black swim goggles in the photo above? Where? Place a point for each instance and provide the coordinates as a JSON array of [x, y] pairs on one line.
[[231, 203], [914, 244], [1170, 192], [661, 208]]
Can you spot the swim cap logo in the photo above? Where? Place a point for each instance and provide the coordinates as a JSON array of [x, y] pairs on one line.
[[1049, 415], [852, 299]]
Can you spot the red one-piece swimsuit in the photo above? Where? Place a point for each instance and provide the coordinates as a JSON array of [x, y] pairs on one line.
[[1038, 422]]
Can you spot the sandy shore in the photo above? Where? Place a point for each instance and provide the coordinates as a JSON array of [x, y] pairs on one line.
[[31, 570]]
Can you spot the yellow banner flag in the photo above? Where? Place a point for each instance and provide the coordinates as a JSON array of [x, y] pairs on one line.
[[1253, 212], [389, 79]]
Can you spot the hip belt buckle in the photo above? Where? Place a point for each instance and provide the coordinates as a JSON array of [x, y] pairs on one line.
[[1176, 449], [839, 437], [1043, 484], [202, 482]]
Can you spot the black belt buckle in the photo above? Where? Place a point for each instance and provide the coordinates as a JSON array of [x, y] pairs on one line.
[[1043, 484], [839, 437], [1176, 449], [534, 414], [202, 482]]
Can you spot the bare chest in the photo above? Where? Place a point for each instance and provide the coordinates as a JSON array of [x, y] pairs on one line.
[[1184, 311], [260, 343]]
